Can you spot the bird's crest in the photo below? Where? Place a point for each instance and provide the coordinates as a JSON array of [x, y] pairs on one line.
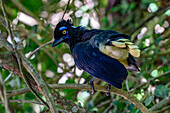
[[64, 23]]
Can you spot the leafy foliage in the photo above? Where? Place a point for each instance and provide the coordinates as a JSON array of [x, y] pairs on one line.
[[57, 66]]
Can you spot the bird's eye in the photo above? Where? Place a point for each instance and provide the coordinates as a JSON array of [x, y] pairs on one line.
[[64, 32]]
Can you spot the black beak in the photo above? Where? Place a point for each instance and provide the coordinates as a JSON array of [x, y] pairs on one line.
[[56, 42]]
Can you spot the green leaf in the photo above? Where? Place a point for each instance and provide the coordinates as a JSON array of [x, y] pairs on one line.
[[148, 100], [35, 28], [114, 9], [154, 73], [132, 6], [121, 106], [158, 40], [116, 104], [161, 91], [43, 66], [30, 96], [94, 109], [90, 104], [167, 12], [29, 109], [139, 96]]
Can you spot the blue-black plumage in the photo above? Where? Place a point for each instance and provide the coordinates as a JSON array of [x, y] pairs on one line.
[[104, 54], [91, 60]]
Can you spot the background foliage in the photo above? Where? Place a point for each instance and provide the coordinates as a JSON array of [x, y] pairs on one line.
[[147, 21]]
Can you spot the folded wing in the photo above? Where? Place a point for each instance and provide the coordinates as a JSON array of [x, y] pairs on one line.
[[93, 61], [121, 48]]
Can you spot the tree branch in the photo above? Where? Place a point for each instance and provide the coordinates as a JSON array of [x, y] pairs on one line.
[[39, 48], [162, 110], [149, 81], [25, 101], [65, 9], [2, 22], [150, 18], [161, 104], [126, 95], [6, 19], [61, 100], [34, 102], [40, 82], [4, 97], [8, 61]]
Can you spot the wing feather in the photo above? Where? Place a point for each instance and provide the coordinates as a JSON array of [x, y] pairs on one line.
[[119, 46], [99, 65]]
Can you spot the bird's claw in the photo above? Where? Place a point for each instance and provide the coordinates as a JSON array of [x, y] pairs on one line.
[[93, 91], [92, 85], [108, 88]]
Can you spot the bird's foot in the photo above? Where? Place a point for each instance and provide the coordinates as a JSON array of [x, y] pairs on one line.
[[108, 88], [92, 85]]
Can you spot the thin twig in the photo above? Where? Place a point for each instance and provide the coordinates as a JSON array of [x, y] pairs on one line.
[[17, 56], [7, 22], [125, 109], [6, 44], [25, 101], [65, 9], [150, 80], [162, 110], [34, 102], [108, 108], [150, 18], [39, 48], [161, 104], [9, 47], [103, 103], [8, 58], [127, 86], [2, 22], [4, 98], [9, 76], [47, 52], [40, 82]]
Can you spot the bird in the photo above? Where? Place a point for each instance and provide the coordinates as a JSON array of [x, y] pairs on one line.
[[104, 54]]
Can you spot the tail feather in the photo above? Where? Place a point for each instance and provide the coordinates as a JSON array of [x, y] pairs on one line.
[[123, 43], [132, 64]]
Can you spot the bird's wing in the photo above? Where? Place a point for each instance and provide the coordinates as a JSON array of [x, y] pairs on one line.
[[120, 47], [90, 59]]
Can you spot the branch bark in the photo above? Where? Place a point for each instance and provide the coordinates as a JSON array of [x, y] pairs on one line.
[[8, 61], [61, 101], [149, 81], [128, 96], [21, 59], [25, 101], [4, 97], [161, 104]]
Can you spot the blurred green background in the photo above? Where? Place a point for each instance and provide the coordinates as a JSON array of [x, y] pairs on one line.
[[147, 21]]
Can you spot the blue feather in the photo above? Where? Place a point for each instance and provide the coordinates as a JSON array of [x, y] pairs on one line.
[[99, 65], [62, 28]]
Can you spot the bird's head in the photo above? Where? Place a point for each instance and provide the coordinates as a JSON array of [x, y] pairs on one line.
[[66, 32], [61, 32]]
